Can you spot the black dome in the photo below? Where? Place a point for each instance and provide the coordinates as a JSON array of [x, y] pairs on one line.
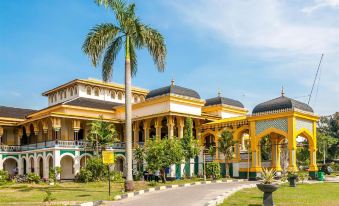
[[281, 103], [173, 89], [223, 100]]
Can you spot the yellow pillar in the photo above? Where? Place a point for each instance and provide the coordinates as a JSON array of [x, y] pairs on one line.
[[313, 150], [292, 144], [170, 127], [1, 133], [255, 166], [216, 140], [146, 130], [275, 152], [158, 128], [135, 134], [181, 125]]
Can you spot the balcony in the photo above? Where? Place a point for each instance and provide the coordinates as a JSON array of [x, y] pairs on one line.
[[57, 143]]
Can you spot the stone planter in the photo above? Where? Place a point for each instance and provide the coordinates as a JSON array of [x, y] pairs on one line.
[[268, 189], [292, 181]]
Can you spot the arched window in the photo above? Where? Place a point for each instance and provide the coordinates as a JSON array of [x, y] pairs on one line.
[[65, 93], [113, 94], [60, 95], [51, 98], [119, 95], [142, 98], [96, 92], [89, 90], [55, 97], [135, 99], [75, 90], [71, 91]]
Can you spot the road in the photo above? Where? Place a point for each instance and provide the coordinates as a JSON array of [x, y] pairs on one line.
[[197, 195]]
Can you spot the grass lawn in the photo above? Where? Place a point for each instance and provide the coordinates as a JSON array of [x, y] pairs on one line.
[[68, 193], [322, 194]]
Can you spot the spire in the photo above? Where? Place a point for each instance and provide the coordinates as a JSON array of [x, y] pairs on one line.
[[282, 91], [172, 82], [219, 93]]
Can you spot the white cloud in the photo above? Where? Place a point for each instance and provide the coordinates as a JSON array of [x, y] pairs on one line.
[[276, 32], [318, 4]]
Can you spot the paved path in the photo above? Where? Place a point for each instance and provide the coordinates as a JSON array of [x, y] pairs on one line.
[[197, 195]]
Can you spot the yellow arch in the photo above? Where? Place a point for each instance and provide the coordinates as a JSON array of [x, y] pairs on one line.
[[236, 134], [306, 134], [268, 132]]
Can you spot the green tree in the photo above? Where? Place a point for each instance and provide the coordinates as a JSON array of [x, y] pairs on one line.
[[163, 153], [190, 146], [130, 34], [101, 133], [323, 143], [211, 151], [328, 130], [226, 144], [139, 156]]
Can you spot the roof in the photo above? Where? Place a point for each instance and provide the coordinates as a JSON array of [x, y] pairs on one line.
[[223, 100], [12, 112], [279, 103], [108, 85], [92, 103], [173, 89]]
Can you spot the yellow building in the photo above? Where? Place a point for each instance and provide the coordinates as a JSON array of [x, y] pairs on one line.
[[34, 141]]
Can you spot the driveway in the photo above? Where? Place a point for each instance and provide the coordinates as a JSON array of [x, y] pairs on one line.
[[197, 195]]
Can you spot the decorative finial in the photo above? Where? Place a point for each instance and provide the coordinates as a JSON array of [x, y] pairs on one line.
[[172, 82], [219, 93], [282, 91]]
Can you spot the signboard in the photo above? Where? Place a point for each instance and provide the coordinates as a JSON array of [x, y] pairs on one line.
[[108, 157]]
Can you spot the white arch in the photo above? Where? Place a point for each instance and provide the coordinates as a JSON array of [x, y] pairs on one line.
[[10, 158]]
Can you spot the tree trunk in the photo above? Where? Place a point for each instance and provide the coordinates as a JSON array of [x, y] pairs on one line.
[[129, 186], [226, 167], [163, 176]]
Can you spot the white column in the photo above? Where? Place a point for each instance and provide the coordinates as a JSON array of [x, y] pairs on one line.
[[56, 160], [1, 162], [20, 167], [201, 163], [76, 162], [191, 167], [45, 165], [36, 164]]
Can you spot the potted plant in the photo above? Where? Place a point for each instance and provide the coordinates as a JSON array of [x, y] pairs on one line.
[[292, 177], [267, 186]]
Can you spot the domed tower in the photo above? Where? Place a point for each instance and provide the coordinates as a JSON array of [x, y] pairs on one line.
[[224, 107], [282, 119]]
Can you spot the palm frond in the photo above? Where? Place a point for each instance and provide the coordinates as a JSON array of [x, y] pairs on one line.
[[109, 58], [155, 43], [98, 39]]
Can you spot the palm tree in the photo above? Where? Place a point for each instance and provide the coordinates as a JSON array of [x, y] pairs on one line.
[[106, 40], [226, 144], [102, 133]]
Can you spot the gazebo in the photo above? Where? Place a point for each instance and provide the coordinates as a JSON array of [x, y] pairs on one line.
[[281, 120]]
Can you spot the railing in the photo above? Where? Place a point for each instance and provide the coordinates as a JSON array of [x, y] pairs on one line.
[[59, 143], [6, 148]]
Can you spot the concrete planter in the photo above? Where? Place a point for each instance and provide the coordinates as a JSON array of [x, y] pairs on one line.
[[268, 189]]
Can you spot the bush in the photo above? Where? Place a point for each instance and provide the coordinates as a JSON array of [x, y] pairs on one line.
[[54, 172], [213, 170], [98, 168], [20, 179], [33, 178], [84, 176], [116, 176], [4, 177]]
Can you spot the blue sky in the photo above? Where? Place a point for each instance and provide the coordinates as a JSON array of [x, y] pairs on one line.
[[245, 49]]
